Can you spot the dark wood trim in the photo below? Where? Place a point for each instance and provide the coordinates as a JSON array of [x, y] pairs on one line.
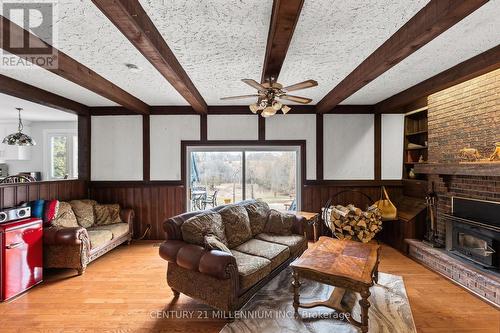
[[84, 135], [226, 110], [354, 183], [138, 183], [203, 128], [33, 94], [135, 24], [70, 69], [110, 111], [284, 17], [146, 153], [378, 147], [173, 110], [262, 128], [435, 18], [481, 64], [319, 146]]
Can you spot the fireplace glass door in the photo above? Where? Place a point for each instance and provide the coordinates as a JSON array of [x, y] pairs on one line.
[[474, 247]]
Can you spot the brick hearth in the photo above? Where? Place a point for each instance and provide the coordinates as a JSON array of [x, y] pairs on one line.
[[481, 282]]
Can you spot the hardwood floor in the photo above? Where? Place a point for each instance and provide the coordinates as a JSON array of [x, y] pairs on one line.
[[125, 290]]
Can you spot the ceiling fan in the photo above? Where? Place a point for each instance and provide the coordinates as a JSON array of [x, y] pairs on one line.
[[270, 93]]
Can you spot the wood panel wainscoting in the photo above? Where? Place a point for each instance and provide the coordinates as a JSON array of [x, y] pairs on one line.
[[15, 194], [152, 202]]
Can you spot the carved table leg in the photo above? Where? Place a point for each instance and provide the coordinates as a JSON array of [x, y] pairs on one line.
[[363, 302], [296, 285]]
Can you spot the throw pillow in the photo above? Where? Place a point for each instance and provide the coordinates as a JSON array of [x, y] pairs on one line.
[[279, 223], [84, 212], [50, 211], [236, 225], [257, 211], [213, 242], [101, 215], [37, 208], [65, 217], [114, 213], [197, 227]]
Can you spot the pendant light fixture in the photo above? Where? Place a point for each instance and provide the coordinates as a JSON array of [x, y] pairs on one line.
[[19, 138]]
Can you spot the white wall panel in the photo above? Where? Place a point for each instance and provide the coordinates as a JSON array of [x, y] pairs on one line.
[[296, 127], [348, 151], [392, 146], [166, 133], [232, 127], [116, 148]]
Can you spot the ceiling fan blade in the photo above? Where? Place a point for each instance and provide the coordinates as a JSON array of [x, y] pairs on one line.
[[254, 84], [301, 85], [240, 97], [297, 99]]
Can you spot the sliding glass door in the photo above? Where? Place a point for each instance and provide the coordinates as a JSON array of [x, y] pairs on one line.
[[219, 175]]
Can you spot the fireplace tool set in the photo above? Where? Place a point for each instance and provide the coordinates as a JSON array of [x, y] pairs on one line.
[[430, 237]]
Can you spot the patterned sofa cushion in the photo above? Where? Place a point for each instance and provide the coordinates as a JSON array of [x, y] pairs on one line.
[[197, 227], [279, 223], [107, 214], [236, 225], [116, 229], [274, 252], [251, 269], [257, 211], [99, 238], [65, 217], [296, 243], [84, 212]]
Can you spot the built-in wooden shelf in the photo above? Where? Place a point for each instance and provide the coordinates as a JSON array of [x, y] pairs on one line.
[[416, 133], [466, 169]]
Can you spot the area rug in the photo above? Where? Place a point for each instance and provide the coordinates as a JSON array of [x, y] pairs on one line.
[[271, 310]]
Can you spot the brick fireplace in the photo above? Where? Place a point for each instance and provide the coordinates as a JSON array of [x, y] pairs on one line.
[[464, 116]]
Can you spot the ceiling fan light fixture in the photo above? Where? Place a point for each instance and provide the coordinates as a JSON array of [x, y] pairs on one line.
[[268, 112], [254, 108], [285, 109], [277, 105]]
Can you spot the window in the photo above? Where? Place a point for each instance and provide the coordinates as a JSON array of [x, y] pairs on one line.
[[62, 159], [221, 175]]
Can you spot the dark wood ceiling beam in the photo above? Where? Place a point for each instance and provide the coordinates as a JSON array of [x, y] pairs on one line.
[[435, 18], [132, 20], [284, 17], [481, 64], [12, 87], [70, 69]]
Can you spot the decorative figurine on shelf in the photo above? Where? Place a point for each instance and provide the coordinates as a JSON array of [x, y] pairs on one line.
[[411, 174], [496, 154], [421, 159], [469, 154]]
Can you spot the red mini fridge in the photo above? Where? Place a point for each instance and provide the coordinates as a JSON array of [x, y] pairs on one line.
[[21, 260]]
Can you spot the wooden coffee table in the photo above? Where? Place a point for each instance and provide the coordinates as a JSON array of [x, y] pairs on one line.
[[341, 263]]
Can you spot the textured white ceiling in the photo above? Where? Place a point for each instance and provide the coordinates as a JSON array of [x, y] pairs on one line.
[[31, 112], [473, 35], [46, 80], [333, 37], [89, 37], [217, 42]]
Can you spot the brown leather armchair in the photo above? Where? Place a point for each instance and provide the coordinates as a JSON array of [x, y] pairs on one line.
[[72, 247], [216, 277]]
